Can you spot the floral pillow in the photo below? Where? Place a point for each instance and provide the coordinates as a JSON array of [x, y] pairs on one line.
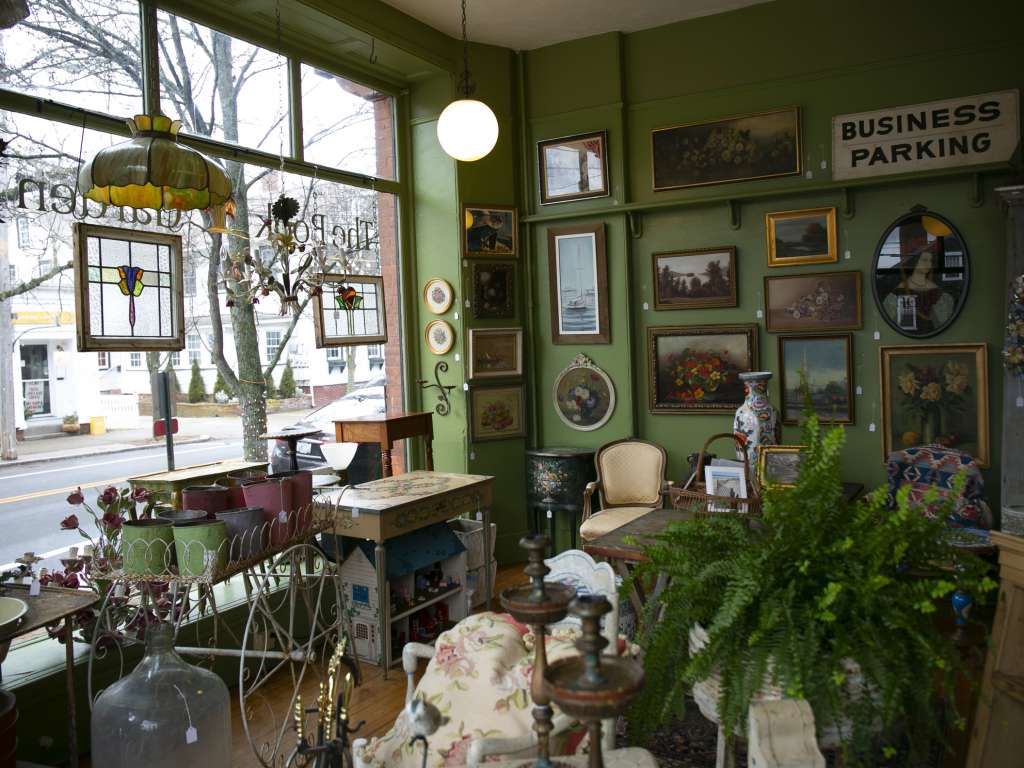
[[479, 678]]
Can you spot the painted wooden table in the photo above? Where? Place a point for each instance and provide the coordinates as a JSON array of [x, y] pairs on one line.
[[386, 430], [51, 606], [392, 506], [199, 474]]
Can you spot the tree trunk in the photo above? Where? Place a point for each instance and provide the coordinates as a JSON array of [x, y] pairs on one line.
[[8, 434]]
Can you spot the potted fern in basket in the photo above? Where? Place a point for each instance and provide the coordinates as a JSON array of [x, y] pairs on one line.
[[824, 600]]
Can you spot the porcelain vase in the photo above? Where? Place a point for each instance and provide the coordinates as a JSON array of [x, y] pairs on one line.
[[756, 420]]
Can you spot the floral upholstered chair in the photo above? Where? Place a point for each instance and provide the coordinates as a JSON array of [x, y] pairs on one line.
[[631, 482], [934, 466]]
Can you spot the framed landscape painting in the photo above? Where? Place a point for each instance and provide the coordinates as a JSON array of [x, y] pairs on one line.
[[801, 237], [573, 168], [820, 301], [495, 353], [497, 413], [695, 368], [695, 279], [825, 364], [739, 148], [936, 394], [578, 285], [779, 465], [489, 230]]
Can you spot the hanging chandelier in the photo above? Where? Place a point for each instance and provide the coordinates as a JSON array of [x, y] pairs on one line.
[[467, 128], [152, 170]]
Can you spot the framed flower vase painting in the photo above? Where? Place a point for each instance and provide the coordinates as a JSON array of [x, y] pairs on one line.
[[696, 368], [497, 412], [493, 290], [495, 353], [698, 279], [801, 237], [578, 285], [818, 301], [818, 368], [584, 395], [129, 292], [573, 168], [349, 310], [936, 394], [438, 295], [489, 231]]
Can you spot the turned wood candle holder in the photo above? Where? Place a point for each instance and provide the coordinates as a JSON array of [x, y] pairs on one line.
[[538, 604], [592, 687]]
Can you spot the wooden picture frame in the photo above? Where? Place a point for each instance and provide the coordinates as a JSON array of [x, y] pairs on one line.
[[767, 465], [801, 237], [578, 285], [832, 398], [369, 313], [676, 271], [497, 412], [936, 393], [494, 289], [141, 264], [495, 353], [489, 231], [813, 302], [682, 353], [555, 177], [698, 153]]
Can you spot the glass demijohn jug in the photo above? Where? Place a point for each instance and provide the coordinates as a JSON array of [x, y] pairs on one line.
[[165, 714]]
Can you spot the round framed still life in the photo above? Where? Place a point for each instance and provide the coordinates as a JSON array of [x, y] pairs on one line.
[[440, 336], [583, 394], [438, 295]]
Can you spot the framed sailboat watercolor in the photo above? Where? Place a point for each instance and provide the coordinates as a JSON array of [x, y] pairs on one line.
[[578, 285]]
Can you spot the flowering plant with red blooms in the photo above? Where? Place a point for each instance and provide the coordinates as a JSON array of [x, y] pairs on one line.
[[696, 376]]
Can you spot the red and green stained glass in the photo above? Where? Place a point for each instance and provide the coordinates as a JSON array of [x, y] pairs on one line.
[[349, 310]]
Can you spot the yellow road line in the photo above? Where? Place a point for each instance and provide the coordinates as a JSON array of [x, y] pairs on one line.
[[55, 491]]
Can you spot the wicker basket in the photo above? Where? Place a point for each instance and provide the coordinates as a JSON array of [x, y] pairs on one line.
[[693, 495]]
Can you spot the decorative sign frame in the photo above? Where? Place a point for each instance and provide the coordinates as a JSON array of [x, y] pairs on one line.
[[136, 264], [363, 305]]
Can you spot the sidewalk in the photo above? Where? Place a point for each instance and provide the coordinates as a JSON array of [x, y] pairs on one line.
[[195, 430]]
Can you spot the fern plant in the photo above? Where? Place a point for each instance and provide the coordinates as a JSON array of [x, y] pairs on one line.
[[791, 601]]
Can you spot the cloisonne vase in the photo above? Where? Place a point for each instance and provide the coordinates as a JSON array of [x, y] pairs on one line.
[[756, 419]]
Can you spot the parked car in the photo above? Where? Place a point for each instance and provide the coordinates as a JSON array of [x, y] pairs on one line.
[[366, 400]]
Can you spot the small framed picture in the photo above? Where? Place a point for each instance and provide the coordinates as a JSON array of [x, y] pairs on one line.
[[819, 368], [489, 231], [779, 465], [573, 168], [578, 285], [440, 336], [728, 482], [497, 412], [493, 290], [696, 279], [438, 295], [815, 301], [802, 237], [495, 353]]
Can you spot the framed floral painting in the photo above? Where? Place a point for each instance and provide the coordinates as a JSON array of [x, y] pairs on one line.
[[440, 336], [818, 301], [438, 295], [497, 412], [494, 290], [936, 394], [584, 395], [696, 368]]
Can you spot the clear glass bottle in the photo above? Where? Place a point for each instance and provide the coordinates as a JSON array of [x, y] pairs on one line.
[[166, 713]]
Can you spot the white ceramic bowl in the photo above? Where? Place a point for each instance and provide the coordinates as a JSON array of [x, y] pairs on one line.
[[11, 610]]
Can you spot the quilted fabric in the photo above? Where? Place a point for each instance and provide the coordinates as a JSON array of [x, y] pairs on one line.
[[479, 678], [631, 473], [933, 466]]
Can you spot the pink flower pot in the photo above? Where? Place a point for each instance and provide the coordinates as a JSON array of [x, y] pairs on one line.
[[236, 498], [209, 498], [302, 498], [274, 496]]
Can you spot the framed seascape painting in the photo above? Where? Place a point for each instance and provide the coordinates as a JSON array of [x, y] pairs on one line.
[[584, 395], [779, 465], [349, 310], [801, 237], [936, 394], [695, 368], [495, 353], [695, 279], [573, 168], [739, 148], [578, 285], [820, 301], [497, 413], [819, 367], [493, 290], [489, 230]]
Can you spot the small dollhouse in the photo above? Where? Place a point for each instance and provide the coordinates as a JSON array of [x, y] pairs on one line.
[[426, 575]]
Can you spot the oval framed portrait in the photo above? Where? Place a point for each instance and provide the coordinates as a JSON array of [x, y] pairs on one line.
[[583, 395], [440, 336], [438, 295], [920, 274]]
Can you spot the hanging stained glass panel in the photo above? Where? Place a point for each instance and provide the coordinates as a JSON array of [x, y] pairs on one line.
[[128, 289], [350, 310]]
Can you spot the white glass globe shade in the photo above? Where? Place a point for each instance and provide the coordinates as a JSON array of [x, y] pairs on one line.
[[467, 130]]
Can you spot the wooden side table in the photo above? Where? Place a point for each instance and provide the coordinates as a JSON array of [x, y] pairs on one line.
[[385, 430]]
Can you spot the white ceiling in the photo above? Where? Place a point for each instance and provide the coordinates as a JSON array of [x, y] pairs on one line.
[[527, 24]]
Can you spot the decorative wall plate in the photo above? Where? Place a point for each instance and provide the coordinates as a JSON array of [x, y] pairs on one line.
[[584, 395], [440, 336], [438, 295]]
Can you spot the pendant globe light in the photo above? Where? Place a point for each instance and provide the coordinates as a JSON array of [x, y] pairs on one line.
[[467, 128]]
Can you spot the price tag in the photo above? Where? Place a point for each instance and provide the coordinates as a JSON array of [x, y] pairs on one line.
[[480, 516], [457, 357], [877, 335], [33, 589], [355, 512], [1020, 402], [549, 514], [760, 314], [465, 387], [646, 306], [871, 427], [282, 516], [847, 255], [455, 316], [860, 390], [191, 735]]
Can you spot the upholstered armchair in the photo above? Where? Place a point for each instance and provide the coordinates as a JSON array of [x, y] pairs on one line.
[[631, 482]]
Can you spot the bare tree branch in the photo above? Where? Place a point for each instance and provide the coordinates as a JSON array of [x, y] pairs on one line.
[[34, 282]]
